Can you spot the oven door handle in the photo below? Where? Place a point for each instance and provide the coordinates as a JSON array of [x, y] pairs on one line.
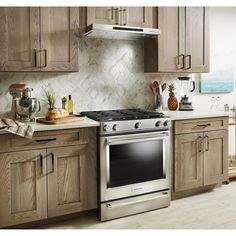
[[134, 139]]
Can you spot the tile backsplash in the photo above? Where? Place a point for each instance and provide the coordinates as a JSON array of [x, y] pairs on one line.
[[110, 77]]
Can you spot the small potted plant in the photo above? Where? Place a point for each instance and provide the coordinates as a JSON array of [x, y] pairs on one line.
[[51, 99], [54, 113], [172, 100]]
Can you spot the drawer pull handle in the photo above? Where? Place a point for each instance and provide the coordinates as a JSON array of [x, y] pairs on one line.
[[203, 126], [199, 140], [45, 140], [52, 163], [208, 143], [41, 164]]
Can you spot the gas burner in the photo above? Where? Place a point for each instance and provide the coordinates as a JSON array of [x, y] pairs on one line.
[[123, 114]]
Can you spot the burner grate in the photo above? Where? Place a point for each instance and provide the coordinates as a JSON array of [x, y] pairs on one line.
[[123, 114]]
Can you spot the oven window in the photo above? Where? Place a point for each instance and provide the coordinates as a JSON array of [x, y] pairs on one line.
[[136, 162]]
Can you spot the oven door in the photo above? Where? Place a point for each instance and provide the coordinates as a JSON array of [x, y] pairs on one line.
[[134, 164]]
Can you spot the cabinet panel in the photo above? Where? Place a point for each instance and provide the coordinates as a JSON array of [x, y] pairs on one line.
[[19, 38], [71, 182], [59, 50], [188, 161], [166, 53], [183, 45], [137, 16], [22, 187], [215, 157], [102, 15], [200, 125], [197, 39]]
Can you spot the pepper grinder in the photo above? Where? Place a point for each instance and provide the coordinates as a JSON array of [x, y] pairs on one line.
[[64, 100]]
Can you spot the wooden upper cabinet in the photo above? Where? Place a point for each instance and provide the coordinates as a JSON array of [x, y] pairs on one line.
[[39, 39], [130, 16], [19, 38], [101, 15], [59, 50], [197, 39], [137, 16], [183, 45], [22, 187]]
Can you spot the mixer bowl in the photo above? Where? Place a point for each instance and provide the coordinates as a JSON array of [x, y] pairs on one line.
[[26, 108]]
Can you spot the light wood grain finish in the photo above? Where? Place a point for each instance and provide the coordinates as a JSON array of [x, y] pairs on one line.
[[201, 154], [22, 187], [19, 38], [58, 179], [188, 162], [59, 45], [130, 16], [138, 16], [102, 15], [72, 178], [183, 45], [215, 157], [39, 39], [44, 139], [199, 125], [197, 39]]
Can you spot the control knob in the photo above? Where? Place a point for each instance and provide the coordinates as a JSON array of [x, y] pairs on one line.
[[115, 127], [106, 127], [137, 125], [166, 123], [158, 123]]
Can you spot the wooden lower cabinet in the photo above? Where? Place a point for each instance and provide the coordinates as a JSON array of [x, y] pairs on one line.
[[215, 157], [50, 181], [23, 189], [188, 161], [71, 179], [201, 158]]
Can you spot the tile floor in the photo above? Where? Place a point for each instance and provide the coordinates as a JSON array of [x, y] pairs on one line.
[[215, 209]]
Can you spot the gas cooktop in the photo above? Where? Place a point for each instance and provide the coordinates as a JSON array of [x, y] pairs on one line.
[[123, 114]]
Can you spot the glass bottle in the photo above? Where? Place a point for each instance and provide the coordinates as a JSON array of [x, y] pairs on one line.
[[70, 105]]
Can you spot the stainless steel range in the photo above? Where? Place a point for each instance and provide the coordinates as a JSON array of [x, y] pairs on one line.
[[134, 161]]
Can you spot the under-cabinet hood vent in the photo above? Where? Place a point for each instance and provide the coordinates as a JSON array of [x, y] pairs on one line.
[[120, 32]]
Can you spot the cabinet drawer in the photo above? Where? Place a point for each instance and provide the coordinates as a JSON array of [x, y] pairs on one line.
[[44, 139], [199, 125]]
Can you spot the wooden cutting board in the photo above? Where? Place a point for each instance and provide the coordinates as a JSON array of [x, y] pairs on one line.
[[68, 119]]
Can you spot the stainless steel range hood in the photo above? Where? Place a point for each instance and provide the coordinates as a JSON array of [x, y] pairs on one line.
[[120, 32]]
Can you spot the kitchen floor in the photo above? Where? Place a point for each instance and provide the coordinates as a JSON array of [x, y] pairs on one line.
[[210, 210]]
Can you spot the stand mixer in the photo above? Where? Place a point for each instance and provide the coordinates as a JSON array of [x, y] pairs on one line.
[[23, 106], [185, 103]]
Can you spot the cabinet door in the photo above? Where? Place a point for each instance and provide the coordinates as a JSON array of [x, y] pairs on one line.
[[166, 53], [59, 43], [71, 180], [102, 15], [188, 163], [197, 39], [215, 157], [19, 37], [137, 16], [22, 187]]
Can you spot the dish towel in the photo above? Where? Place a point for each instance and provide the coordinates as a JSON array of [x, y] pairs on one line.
[[16, 127]]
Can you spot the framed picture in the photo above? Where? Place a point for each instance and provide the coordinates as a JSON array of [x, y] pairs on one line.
[[217, 82]]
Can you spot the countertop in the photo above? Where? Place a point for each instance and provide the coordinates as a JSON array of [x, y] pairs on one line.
[[78, 124], [184, 115]]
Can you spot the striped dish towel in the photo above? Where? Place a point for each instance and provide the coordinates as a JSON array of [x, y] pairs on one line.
[[16, 127]]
